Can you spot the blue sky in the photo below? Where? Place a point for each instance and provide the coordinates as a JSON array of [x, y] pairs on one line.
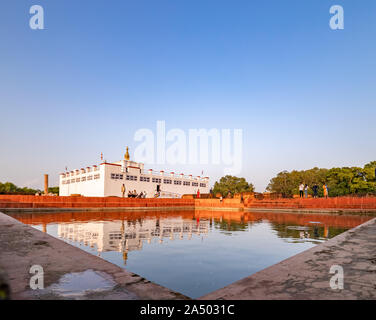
[[303, 94]]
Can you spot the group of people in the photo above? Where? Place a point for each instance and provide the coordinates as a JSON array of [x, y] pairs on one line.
[[134, 194], [303, 190]]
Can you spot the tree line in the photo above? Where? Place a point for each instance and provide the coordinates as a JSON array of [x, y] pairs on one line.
[[340, 181], [11, 188]]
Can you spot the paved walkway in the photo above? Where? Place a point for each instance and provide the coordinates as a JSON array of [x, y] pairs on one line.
[[68, 270], [306, 275]]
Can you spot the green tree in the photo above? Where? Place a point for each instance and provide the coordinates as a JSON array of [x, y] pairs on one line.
[[340, 181], [233, 185], [10, 188], [54, 190], [287, 183]]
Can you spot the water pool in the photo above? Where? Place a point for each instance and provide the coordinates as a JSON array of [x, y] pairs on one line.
[[192, 252]]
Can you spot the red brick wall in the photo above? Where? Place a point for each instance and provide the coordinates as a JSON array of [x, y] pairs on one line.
[[17, 201], [318, 203]]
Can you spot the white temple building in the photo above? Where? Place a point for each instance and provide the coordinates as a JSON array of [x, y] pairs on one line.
[[118, 178]]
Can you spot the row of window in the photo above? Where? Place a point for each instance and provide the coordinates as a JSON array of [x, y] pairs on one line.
[[71, 174], [156, 180], [83, 179], [134, 178], [117, 176], [127, 177]]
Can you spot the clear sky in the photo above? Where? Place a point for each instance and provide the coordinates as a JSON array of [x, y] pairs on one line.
[[304, 95]]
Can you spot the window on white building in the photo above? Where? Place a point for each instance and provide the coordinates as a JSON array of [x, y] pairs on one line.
[[167, 181], [131, 178], [145, 179], [156, 180], [194, 184], [186, 183], [203, 185], [177, 182]]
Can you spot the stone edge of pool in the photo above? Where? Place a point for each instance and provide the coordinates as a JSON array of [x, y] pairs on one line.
[[303, 276]]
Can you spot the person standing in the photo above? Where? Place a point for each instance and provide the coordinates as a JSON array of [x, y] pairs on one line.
[[301, 189], [123, 190], [315, 189], [306, 190], [325, 188]]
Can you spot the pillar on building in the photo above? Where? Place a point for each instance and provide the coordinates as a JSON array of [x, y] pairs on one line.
[[46, 184]]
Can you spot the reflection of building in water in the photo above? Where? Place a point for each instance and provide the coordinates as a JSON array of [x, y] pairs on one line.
[[124, 236]]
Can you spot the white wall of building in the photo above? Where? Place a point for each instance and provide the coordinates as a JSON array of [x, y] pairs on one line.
[[107, 180], [90, 183]]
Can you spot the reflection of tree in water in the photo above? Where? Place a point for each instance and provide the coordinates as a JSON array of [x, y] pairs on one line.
[[290, 230], [311, 231], [228, 225]]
